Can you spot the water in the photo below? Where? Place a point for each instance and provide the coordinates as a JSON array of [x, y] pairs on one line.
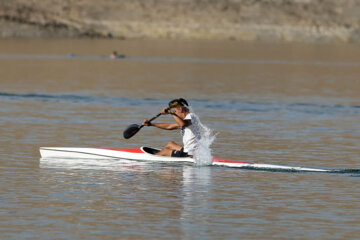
[[278, 104], [203, 154]]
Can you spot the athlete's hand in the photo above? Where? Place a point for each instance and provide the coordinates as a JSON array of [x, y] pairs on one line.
[[146, 122], [165, 111]]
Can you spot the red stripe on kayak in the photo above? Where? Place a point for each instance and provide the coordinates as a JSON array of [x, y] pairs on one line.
[[130, 150], [219, 160]]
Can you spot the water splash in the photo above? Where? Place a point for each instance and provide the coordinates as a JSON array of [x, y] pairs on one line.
[[203, 154]]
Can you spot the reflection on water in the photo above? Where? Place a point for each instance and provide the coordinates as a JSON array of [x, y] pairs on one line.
[[294, 105], [93, 164]]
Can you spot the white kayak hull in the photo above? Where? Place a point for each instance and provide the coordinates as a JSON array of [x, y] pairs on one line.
[[148, 154], [106, 153]]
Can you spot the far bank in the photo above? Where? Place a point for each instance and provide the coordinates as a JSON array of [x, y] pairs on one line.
[[309, 21]]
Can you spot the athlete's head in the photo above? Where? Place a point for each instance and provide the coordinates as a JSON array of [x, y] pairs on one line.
[[179, 104]]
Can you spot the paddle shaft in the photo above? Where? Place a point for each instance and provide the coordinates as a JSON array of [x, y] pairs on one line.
[[150, 120]]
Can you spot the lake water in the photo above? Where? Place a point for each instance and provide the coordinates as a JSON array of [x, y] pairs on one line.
[[296, 105]]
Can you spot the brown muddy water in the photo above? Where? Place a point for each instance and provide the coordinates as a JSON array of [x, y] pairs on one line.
[[296, 105]]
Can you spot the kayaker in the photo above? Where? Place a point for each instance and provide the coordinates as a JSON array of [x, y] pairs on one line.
[[184, 120], [115, 55]]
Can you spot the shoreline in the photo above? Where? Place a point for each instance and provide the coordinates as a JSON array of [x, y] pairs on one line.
[[304, 21]]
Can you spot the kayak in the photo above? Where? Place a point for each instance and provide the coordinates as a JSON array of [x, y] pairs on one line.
[[148, 154]]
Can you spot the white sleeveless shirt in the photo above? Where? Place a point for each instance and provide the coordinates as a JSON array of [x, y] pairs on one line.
[[191, 134]]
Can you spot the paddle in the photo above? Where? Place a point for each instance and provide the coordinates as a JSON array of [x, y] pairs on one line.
[[132, 129]]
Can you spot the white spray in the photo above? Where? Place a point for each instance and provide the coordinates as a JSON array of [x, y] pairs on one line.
[[203, 155]]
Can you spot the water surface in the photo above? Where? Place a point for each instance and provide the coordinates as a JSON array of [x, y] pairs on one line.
[[281, 104]]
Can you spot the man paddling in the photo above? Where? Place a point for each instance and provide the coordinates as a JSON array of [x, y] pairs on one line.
[[184, 120]]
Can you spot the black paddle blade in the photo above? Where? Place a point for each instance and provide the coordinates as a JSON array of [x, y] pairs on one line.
[[131, 130]]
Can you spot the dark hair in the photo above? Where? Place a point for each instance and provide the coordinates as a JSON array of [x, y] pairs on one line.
[[178, 102], [186, 109], [183, 102]]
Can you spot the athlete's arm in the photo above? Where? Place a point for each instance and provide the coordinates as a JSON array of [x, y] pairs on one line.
[[165, 126], [181, 122]]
